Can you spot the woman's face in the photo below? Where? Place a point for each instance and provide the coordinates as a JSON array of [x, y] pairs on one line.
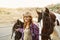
[[27, 18]]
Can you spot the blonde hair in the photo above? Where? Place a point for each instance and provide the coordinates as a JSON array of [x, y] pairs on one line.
[[29, 15]]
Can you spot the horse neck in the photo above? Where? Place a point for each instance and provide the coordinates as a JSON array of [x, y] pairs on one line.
[[46, 21]]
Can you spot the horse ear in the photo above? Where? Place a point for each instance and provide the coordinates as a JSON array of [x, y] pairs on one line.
[[47, 10], [38, 12]]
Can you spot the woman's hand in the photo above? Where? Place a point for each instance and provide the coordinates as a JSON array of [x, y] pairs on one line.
[[17, 29]]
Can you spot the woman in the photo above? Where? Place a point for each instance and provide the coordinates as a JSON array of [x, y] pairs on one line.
[[30, 31]]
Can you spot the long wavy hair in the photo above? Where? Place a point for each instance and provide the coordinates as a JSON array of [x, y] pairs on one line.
[[25, 24]]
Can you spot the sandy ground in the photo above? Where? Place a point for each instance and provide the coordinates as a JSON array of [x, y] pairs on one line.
[[5, 32]]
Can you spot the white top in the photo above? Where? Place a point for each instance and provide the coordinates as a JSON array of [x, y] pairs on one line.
[[27, 34]]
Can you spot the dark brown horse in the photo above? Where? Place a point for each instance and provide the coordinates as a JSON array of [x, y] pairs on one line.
[[48, 23], [18, 24]]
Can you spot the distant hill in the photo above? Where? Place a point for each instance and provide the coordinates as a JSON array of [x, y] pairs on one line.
[[11, 14], [55, 8]]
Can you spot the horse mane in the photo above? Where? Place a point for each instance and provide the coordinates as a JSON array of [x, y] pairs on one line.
[[46, 21], [48, 25]]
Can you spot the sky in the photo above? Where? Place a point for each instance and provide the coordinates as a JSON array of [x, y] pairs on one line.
[[26, 3]]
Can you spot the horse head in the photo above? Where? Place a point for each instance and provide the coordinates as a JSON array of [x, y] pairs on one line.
[[39, 15], [19, 23], [46, 23]]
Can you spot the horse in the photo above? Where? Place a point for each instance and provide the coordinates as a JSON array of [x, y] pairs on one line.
[[18, 34], [48, 19]]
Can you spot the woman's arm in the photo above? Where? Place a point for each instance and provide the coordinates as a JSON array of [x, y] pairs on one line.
[[20, 30], [36, 29], [36, 32]]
